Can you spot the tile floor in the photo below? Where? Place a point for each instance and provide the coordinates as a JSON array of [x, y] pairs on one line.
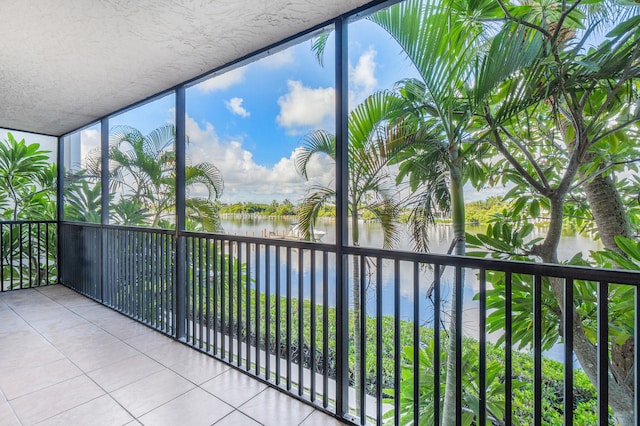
[[66, 360]]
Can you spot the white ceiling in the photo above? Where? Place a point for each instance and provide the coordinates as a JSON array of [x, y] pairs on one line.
[[65, 63]]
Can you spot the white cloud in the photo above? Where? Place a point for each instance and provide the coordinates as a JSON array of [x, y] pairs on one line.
[[222, 81], [235, 106], [244, 178], [305, 106], [363, 74], [90, 141], [279, 60]]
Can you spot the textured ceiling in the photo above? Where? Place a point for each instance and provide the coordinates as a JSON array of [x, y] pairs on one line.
[[65, 63]]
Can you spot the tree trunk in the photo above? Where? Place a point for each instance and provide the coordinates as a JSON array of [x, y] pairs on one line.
[[607, 210], [619, 398], [458, 222]]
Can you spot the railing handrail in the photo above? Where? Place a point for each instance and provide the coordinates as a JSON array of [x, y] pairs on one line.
[[25, 222], [616, 276], [119, 227]]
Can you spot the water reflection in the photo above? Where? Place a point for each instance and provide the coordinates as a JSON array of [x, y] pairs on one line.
[[300, 270]]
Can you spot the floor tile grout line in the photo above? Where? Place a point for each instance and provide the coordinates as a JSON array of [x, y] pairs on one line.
[[166, 367], [252, 398], [236, 410], [12, 410], [151, 329], [85, 373], [70, 408]]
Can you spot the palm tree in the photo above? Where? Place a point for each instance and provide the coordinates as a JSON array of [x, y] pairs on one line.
[[373, 141], [143, 166], [443, 40]]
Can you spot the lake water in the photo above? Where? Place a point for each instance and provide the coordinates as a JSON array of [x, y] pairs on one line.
[[371, 236]]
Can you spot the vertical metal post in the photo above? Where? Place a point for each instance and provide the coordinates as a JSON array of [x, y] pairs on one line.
[[603, 352], [537, 351], [60, 206], [342, 236], [482, 361], [567, 318], [636, 356], [180, 278], [104, 203]]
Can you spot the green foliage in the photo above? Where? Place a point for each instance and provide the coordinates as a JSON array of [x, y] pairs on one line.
[[27, 181], [143, 172], [286, 208], [484, 211], [27, 192], [585, 395]]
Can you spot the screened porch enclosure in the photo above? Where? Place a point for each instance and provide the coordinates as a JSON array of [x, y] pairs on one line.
[[134, 283]]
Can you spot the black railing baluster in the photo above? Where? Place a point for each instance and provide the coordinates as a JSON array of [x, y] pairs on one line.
[[247, 277], [482, 350], [416, 342], [2, 254], [164, 292], [158, 279], [218, 284], [170, 253], [208, 292], [567, 319], [300, 322], [151, 279], [11, 256], [396, 341], [231, 290], [46, 230], [223, 284], [278, 315], [537, 351], [287, 328], [325, 329], [20, 257], [379, 384], [131, 285], [313, 324], [258, 324], [145, 274], [636, 356], [239, 263], [436, 343], [508, 361], [603, 352], [459, 284], [194, 291], [201, 322], [30, 253], [362, 290], [267, 311], [39, 254]]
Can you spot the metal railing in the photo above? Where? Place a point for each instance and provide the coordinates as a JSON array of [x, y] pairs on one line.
[[269, 307], [28, 254]]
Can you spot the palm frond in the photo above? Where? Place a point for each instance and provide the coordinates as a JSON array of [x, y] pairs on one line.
[[387, 212], [318, 46], [316, 142], [208, 175], [308, 210]]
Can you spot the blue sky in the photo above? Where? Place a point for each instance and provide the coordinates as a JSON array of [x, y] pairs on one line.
[[249, 121]]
